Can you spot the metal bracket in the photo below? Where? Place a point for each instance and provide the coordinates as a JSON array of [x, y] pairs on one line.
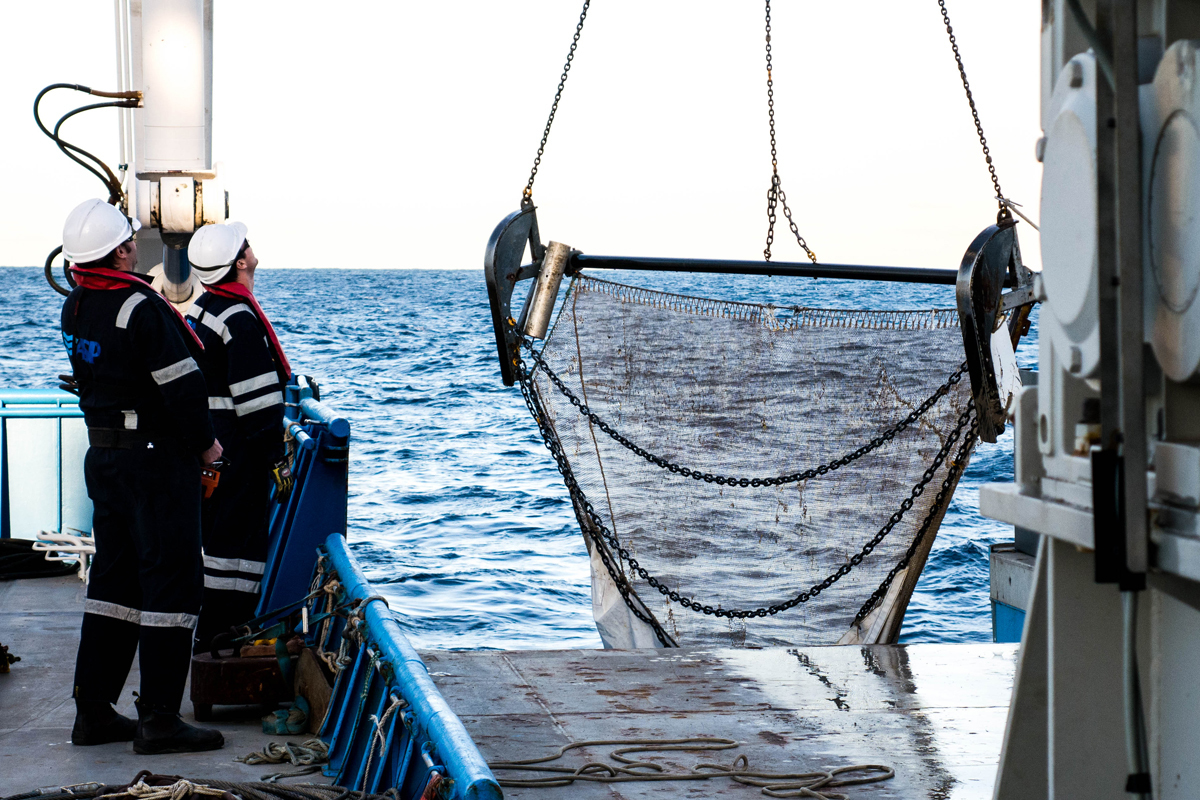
[[503, 270], [992, 261]]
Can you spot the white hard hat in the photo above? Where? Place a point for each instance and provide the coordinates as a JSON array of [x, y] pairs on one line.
[[214, 248], [94, 229]]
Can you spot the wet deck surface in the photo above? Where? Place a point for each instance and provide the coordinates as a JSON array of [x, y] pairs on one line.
[[39, 621], [935, 713]]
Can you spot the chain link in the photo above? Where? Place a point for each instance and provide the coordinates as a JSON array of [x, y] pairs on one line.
[[527, 194], [775, 195], [948, 484], [591, 522], [722, 480], [987, 153]]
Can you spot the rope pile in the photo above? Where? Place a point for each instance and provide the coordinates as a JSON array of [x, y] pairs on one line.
[[178, 790], [308, 755], [311, 751], [147, 786]]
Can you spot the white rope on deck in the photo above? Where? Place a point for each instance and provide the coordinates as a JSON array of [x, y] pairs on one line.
[[179, 790], [816, 784], [78, 546], [311, 751]]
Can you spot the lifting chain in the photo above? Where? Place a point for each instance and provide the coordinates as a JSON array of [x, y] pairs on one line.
[[589, 522], [722, 480], [592, 524], [527, 194], [939, 502], [775, 195], [1004, 213]]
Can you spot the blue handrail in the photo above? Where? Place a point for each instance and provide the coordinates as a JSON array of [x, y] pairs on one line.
[[53, 404], [319, 412], [424, 737], [297, 432], [50, 412], [31, 396], [382, 685]]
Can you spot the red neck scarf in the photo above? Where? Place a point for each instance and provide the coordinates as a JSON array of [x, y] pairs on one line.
[[236, 291], [104, 278]]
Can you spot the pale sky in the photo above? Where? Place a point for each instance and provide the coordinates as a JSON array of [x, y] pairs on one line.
[[397, 134]]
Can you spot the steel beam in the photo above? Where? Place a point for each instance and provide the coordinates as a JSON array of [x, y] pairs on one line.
[[1119, 485], [935, 275], [1128, 184]]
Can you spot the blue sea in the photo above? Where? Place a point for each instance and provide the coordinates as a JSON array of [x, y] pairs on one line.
[[456, 509]]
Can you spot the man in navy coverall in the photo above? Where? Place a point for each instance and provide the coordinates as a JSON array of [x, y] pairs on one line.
[[246, 370], [146, 407]]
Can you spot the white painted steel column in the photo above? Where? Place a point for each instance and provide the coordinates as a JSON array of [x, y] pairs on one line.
[[174, 134], [1173, 700], [1024, 772], [1084, 688]]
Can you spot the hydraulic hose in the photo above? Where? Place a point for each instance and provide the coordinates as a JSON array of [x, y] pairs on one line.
[[116, 193], [50, 272], [124, 100], [1138, 783]]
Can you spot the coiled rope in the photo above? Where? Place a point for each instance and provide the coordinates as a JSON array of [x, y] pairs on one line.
[[176, 791], [143, 787], [816, 784]]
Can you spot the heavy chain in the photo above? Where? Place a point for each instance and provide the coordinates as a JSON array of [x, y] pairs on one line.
[[527, 194], [591, 522], [956, 467], [775, 195], [987, 153], [722, 480]]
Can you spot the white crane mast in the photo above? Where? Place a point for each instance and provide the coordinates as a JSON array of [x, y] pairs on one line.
[[165, 51]]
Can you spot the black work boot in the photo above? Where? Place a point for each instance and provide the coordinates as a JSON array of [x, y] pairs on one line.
[[98, 723], [163, 731]]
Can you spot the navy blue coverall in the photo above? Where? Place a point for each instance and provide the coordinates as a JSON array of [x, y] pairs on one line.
[[146, 407], [245, 384]]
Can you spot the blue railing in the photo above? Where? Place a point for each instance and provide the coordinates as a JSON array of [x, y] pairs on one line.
[[387, 725], [42, 443], [316, 506]]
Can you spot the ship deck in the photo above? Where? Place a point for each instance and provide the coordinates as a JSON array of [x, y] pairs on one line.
[[39, 621], [934, 713]]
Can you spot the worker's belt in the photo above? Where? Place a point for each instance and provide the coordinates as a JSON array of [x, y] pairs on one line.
[[117, 438]]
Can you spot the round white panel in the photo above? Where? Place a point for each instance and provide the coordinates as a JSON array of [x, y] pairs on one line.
[[1068, 218], [1172, 207]]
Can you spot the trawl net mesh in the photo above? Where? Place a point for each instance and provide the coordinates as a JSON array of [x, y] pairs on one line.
[[741, 389]]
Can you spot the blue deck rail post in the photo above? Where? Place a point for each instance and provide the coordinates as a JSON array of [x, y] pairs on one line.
[[384, 690], [317, 504]]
